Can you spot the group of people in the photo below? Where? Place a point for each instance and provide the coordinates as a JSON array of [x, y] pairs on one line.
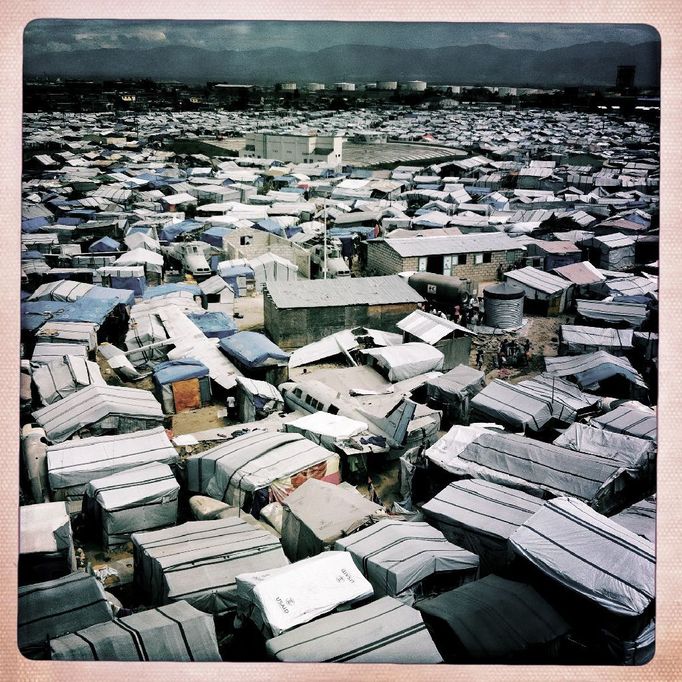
[[509, 354], [466, 315]]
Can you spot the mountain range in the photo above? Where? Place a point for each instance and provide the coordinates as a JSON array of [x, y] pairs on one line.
[[592, 64]]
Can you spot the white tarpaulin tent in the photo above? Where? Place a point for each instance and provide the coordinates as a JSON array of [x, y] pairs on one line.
[[71, 465], [257, 399], [538, 468], [269, 267], [384, 631], [259, 465], [283, 598], [318, 513], [64, 376], [82, 333], [152, 261], [640, 518], [176, 632], [400, 558], [406, 360], [480, 516], [43, 353], [45, 542], [326, 429], [589, 554], [137, 499], [198, 561], [100, 409]]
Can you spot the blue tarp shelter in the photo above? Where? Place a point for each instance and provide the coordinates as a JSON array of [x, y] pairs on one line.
[[215, 325], [34, 314], [165, 289], [34, 224], [172, 231], [124, 296], [252, 349], [192, 394], [271, 226], [104, 245], [214, 235]]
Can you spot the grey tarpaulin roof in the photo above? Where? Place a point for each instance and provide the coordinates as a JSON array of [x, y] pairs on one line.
[[112, 408], [630, 421], [480, 516], [526, 464], [634, 314], [640, 518], [407, 360], [628, 451], [384, 631], [591, 368], [199, 560], [43, 353], [176, 632], [251, 462], [318, 513], [579, 339], [396, 555], [323, 293], [458, 383], [76, 462], [589, 554], [65, 375], [57, 607], [494, 617]]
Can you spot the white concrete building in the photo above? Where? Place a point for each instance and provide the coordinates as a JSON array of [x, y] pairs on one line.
[[296, 147]]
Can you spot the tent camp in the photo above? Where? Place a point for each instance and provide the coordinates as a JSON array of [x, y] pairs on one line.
[[198, 561], [97, 410], [638, 421], [71, 465], [58, 607], [493, 620], [589, 555], [176, 632], [254, 469], [384, 631], [82, 333], [45, 543], [532, 466], [404, 361], [64, 376], [578, 340], [317, 514], [611, 313], [409, 560], [269, 267], [309, 588], [452, 393], [480, 516], [137, 499]]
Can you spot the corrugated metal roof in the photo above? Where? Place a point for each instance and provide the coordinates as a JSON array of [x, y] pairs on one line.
[[580, 273], [324, 293], [465, 243], [538, 279]]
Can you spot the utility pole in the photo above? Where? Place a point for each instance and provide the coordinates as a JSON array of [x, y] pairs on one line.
[[325, 238]]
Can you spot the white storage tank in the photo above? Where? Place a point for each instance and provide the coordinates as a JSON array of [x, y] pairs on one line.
[[315, 87], [503, 306], [287, 87], [387, 85], [415, 86], [345, 87]]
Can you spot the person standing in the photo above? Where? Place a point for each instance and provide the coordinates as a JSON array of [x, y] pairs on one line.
[[479, 359]]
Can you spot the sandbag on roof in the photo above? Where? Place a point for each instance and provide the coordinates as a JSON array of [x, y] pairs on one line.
[[480, 516], [399, 558], [198, 561], [176, 632], [58, 607], [71, 465], [492, 618], [384, 631], [589, 554], [309, 588], [318, 513], [255, 461], [529, 465], [100, 409]]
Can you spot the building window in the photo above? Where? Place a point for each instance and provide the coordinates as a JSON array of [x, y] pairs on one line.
[[245, 240], [511, 256], [462, 259], [478, 258], [422, 264], [488, 257]]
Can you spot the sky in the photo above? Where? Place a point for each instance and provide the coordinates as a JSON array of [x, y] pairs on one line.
[[50, 35]]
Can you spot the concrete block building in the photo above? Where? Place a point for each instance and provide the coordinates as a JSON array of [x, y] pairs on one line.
[[294, 147]]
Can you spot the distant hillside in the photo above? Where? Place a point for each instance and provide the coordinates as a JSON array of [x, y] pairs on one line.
[[588, 64]]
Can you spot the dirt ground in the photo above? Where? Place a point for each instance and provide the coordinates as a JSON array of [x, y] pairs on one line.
[[251, 308], [199, 420]]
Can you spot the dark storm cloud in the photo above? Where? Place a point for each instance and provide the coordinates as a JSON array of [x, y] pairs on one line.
[[63, 35]]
